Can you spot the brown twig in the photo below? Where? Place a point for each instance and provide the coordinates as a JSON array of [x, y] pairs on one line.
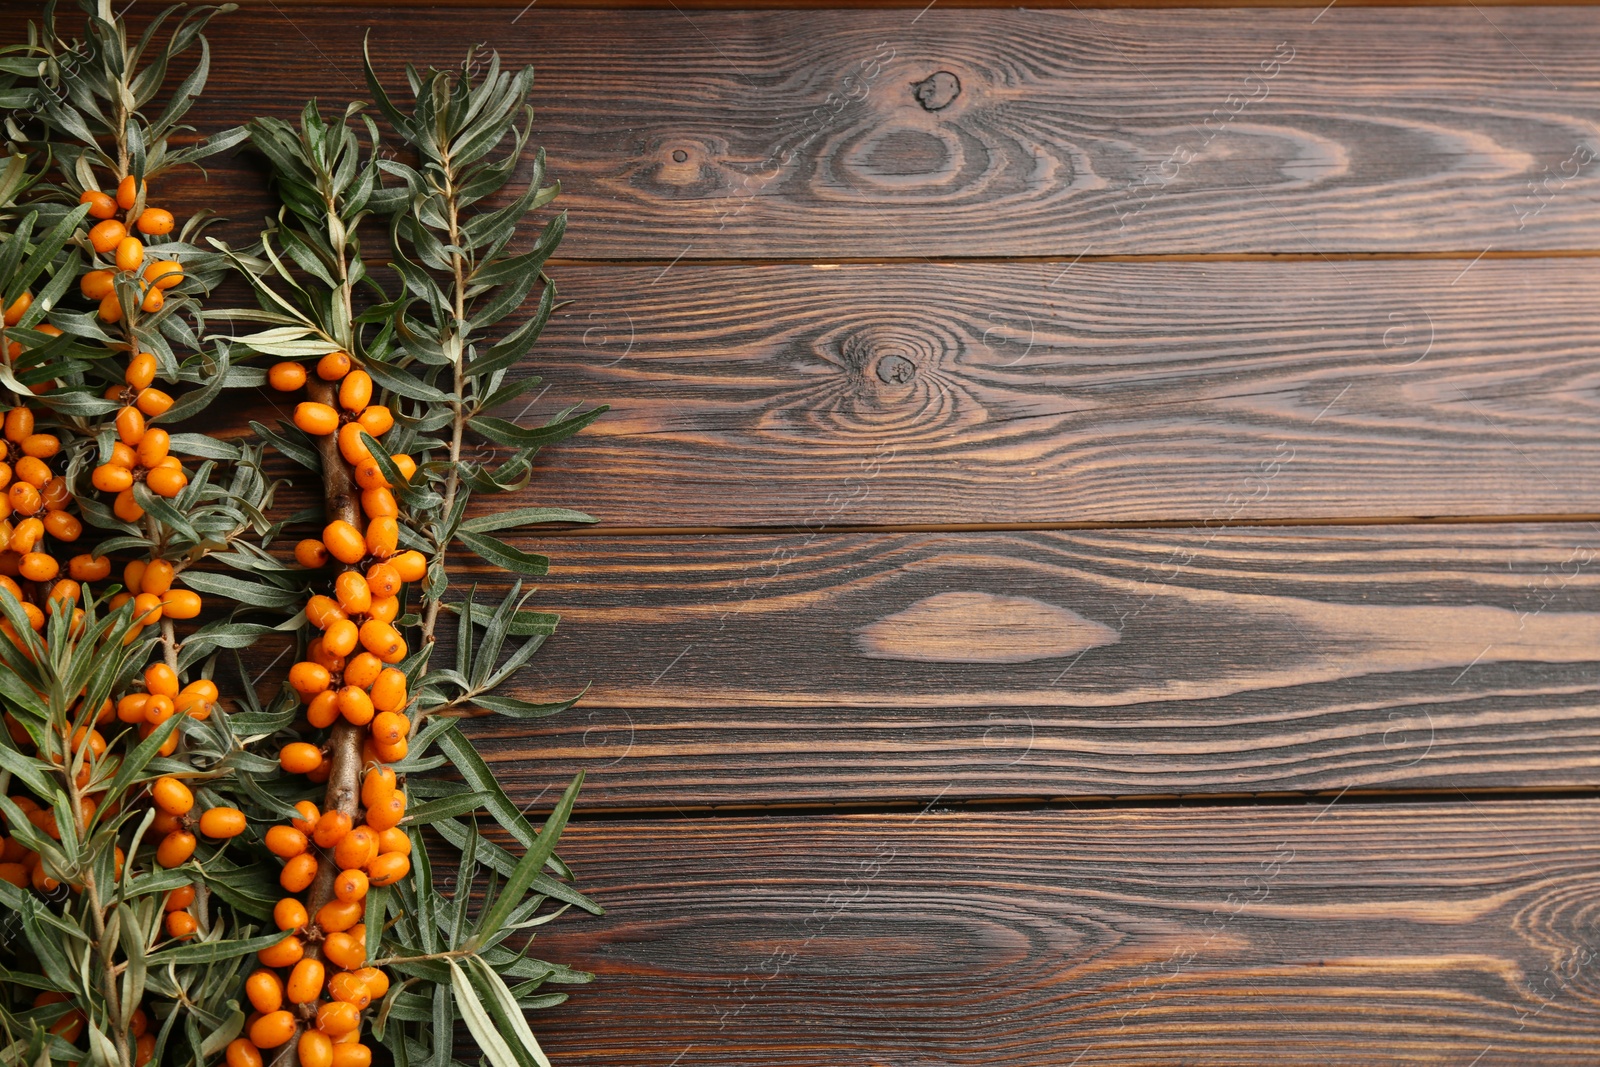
[[341, 500]]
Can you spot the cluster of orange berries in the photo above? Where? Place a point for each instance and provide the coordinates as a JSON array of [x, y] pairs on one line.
[[35, 503], [141, 452], [376, 853], [349, 673], [110, 237]]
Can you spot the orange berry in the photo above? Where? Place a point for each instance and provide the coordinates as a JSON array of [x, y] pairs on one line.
[[383, 580], [351, 885], [157, 710], [323, 712], [36, 472], [350, 446], [180, 604], [286, 842], [389, 868], [264, 990], [154, 300], [101, 206], [287, 376], [298, 873], [19, 424], [308, 678], [300, 758], [289, 914], [153, 402], [131, 707], [388, 814], [315, 1049], [355, 392], [39, 567], [339, 915], [63, 526], [346, 986], [308, 817], [355, 705], [383, 641], [181, 925], [394, 839], [322, 612], [340, 638], [369, 475], [389, 691], [153, 444], [383, 536], [24, 498], [172, 796], [129, 253], [141, 370], [241, 1053], [377, 420], [331, 828], [316, 652], [311, 553], [272, 1029], [110, 309], [411, 565], [343, 950], [391, 753], [179, 899], [379, 504], [155, 221], [390, 728], [130, 426], [222, 822], [336, 1018], [357, 848], [161, 680], [305, 981], [97, 284], [126, 508], [166, 482], [106, 235], [15, 873], [363, 670], [18, 308], [351, 589], [378, 786], [128, 192], [333, 366], [163, 274], [344, 541], [175, 848], [318, 420], [157, 578]]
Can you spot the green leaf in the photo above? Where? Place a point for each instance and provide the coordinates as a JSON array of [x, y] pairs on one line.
[[212, 951], [505, 520], [493, 550], [529, 866]]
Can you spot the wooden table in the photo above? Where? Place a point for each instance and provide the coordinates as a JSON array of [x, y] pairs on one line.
[[1099, 560]]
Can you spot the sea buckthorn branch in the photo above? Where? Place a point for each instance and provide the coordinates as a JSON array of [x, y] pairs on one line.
[[137, 924], [321, 304]]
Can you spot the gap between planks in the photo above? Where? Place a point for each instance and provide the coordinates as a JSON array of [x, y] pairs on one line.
[[1472, 256], [1141, 802], [1051, 527]]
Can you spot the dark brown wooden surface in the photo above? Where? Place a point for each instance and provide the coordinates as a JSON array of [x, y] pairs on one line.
[[802, 135], [1438, 934], [1214, 392], [873, 667], [856, 494]]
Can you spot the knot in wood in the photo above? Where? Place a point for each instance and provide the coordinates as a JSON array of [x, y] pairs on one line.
[[937, 91]]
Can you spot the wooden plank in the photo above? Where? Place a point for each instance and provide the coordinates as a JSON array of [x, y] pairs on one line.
[[820, 669], [842, 134], [1459, 934], [935, 394]]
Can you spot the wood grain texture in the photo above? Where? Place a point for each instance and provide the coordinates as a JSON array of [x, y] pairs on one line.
[[1219, 392], [874, 668], [854, 133], [1449, 934]]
